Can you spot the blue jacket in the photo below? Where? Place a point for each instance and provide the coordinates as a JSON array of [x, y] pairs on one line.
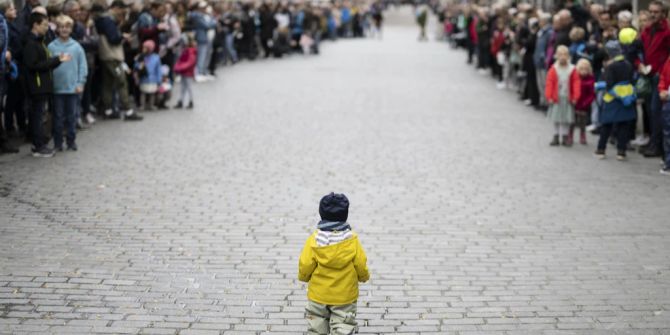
[[153, 73], [4, 42], [69, 75], [201, 24], [541, 47]]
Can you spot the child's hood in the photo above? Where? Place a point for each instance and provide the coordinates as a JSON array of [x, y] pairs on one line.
[[338, 255], [58, 43]]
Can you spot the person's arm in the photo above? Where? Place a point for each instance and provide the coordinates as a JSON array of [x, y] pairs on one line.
[[361, 263], [82, 65], [32, 62], [307, 263]]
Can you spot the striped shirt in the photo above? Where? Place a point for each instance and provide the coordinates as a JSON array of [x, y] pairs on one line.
[[325, 238]]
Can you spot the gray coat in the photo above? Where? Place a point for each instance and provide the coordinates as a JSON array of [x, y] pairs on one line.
[[540, 52]]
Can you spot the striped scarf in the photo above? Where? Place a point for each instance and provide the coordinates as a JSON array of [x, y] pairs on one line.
[[332, 232]]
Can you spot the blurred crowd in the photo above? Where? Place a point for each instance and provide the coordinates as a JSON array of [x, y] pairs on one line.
[[591, 67], [67, 64]]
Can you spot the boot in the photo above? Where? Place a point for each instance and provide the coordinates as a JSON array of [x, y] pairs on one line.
[[566, 141], [582, 137], [178, 105], [554, 142]]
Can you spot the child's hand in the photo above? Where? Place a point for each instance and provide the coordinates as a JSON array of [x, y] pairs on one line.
[[79, 90], [664, 95]]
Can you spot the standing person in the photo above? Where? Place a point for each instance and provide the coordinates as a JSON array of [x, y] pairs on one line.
[[562, 93], [202, 23], [148, 73], [586, 97], [15, 88], [185, 67], [422, 20], [619, 101], [39, 65], [230, 26], [656, 41], [69, 83], [267, 29], [112, 60], [664, 89], [333, 262], [5, 59]]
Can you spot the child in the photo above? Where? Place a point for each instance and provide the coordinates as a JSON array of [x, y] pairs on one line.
[[586, 97], [498, 47], [148, 73], [619, 101], [578, 45], [69, 81], [185, 67], [39, 65], [332, 262], [562, 93], [663, 88]]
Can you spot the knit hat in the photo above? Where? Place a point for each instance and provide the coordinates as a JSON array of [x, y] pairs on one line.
[[334, 207], [149, 44], [613, 48], [627, 36]]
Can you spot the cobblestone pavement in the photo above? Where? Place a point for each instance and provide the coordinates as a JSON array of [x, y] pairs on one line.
[[191, 222]]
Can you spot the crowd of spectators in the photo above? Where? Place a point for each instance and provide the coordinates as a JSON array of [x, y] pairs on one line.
[[67, 64], [590, 67]]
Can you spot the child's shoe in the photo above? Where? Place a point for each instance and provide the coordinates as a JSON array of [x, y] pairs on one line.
[[72, 147], [582, 138], [600, 154], [621, 156], [190, 105], [567, 141], [554, 142], [178, 105]]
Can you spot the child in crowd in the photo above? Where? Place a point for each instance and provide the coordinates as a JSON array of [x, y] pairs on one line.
[[69, 81], [185, 67], [663, 89], [332, 262], [619, 101], [498, 41], [562, 92], [148, 73], [586, 97], [578, 46]]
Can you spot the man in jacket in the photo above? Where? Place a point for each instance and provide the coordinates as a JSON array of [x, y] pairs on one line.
[[656, 41], [112, 58], [539, 54], [39, 65], [5, 56]]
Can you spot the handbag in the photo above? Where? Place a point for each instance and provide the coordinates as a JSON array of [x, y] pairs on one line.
[[643, 87]]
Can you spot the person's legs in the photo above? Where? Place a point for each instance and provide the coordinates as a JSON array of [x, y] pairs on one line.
[[623, 131], [108, 85], [36, 119], [201, 66], [666, 135], [656, 136], [186, 88], [541, 79], [343, 319], [318, 318], [230, 47], [71, 105], [58, 119], [605, 131]]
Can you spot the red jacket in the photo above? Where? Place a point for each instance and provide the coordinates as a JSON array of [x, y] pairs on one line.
[[656, 45], [497, 41], [587, 93], [185, 65], [551, 88], [664, 78]]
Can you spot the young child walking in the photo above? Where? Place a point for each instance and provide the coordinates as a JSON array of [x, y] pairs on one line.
[[69, 81], [562, 93], [333, 263], [148, 73], [619, 101], [586, 97], [185, 67]]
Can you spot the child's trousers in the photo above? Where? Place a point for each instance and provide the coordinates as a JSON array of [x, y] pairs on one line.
[[335, 320]]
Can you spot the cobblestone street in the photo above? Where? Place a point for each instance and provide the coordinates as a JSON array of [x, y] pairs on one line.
[[192, 221]]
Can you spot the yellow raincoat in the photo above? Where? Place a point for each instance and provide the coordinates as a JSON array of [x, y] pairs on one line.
[[333, 271]]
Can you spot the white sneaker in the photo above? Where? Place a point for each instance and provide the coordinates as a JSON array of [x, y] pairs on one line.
[[90, 119], [527, 102], [591, 127], [200, 78], [501, 86], [210, 77], [640, 141], [483, 72], [109, 112]]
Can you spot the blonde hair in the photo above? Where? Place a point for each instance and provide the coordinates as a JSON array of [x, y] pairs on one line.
[[584, 64], [577, 34], [64, 20], [563, 49]]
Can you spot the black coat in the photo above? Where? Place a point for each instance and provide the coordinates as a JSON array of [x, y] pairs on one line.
[[39, 65]]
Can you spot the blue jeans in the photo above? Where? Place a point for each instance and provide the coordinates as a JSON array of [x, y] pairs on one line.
[[203, 55], [230, 47], [65, 109], [666, 132], [655, 118]]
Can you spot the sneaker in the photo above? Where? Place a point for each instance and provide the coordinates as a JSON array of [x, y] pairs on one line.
[[651, 153], [81, 125], [501, 85], [58, 149], [528, 102], [554, 142], [621, 156], [600, 154], [483, 72], [90, 119], [567, 141], [43, 153], [200, 78], [133, 117], [72, 147], [640, 141], [178, 105], [190, 105], [665, 170]]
